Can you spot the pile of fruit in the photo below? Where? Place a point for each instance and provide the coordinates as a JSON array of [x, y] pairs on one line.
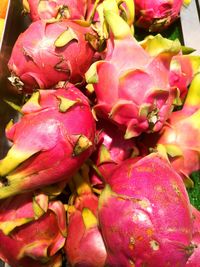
[[107, 137]]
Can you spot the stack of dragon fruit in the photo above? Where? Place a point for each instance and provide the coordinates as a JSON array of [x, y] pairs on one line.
[[106, 140]]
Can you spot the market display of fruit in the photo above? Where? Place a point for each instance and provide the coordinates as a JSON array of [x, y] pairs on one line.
[[102, 158]]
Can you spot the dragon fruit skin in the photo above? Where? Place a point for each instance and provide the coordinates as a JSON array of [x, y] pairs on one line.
[[132, 84], [47, 53], [86, 240], [194, 259], [177, 135], [32, 230], [156, 15], [49, 145], [111, 150], [84, 247], [182, 70], [145, 215], [46, 10]]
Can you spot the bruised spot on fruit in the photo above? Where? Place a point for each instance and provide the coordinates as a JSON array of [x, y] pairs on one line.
[[63, 66], [176, 189], [140, 238], [159, 188], [114, 229], [145, 169], [149, 232], [131, 243], [119, 198], [132, 264], [154, 245]]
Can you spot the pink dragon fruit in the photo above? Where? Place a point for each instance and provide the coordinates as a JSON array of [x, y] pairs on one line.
[[180, 136], [47, 53], [69, 9], [182, 70], [32, 230], [145, 215], [132, 83], [156, 15], [84, 247], [111, 150], [194, 259], [51, 141]]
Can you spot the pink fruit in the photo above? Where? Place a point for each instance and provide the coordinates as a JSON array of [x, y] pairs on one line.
[[132, 82], [182, 70], [84, 244], [47, 53], [111, 150], [180, 136], [156, 15], [70, 9], [32, 231], [145, 215], [194, 259], [50, 142]]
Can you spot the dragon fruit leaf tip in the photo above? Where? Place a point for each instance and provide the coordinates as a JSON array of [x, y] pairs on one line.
[[68, 149], [193, 95], [119, 27]]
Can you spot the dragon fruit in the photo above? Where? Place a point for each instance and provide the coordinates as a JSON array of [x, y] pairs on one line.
[[47, 53], [180, 136], [111, 150], [132, 83], [50, 142], [194, 259], [145, 215], [182, 70], [84, 247], [156, 15], [65, 9], [32, 230]]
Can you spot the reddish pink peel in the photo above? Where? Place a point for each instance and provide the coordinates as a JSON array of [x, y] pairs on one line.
[[194, 259], [156, 15], [145, 215], [110, 151], [87, 240], [39, 63], [36, 241], [54, 8], [60, 144]]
